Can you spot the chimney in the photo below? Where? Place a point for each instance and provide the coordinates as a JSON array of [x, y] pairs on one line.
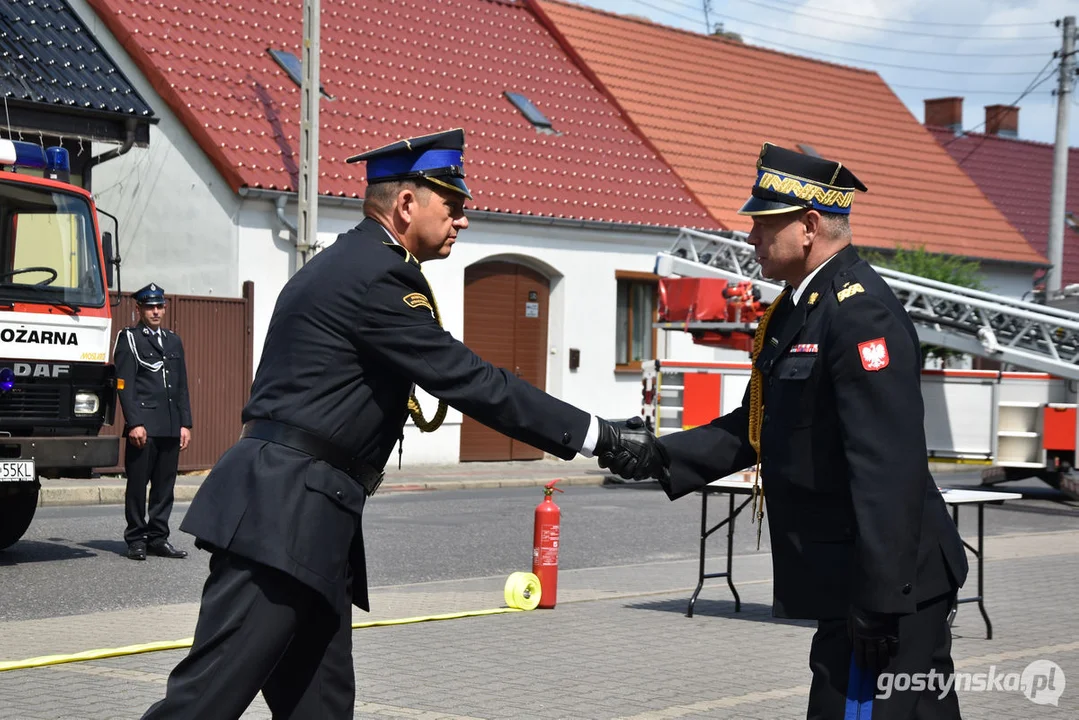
[[1002, 120], [945, 112]]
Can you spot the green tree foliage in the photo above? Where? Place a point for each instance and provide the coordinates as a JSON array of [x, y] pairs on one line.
[[932, 266]]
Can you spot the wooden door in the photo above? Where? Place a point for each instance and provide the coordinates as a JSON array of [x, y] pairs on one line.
[[506, 325]]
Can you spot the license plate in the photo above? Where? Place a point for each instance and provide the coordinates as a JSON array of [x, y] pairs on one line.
[[16, 470]]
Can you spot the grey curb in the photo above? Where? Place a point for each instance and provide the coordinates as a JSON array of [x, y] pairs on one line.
[[114, 495]]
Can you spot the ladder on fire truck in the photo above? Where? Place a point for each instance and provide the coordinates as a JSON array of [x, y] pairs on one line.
[[1026, 335]]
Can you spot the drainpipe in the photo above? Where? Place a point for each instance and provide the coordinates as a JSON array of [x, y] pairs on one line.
[[301, 251], [129, 142]]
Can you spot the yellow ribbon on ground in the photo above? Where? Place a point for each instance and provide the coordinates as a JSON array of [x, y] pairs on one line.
[[525, 596]]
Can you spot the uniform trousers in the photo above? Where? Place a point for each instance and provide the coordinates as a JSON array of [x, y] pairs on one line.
[[260, 629], [925, 645], [155, 464]]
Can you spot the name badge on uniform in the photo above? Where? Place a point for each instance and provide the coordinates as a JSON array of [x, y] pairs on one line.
[[804, 348]]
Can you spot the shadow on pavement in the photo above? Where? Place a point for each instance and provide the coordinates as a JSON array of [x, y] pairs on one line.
[[116, 547], [28, 551], [752, 612], [613, 482]]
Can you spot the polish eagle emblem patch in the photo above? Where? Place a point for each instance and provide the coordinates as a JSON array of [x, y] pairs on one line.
[[874, 354]]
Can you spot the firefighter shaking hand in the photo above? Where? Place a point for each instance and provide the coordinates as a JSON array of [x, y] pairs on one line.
[[860, 536]]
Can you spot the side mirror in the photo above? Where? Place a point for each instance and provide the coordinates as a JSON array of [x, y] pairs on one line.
[[110, 259]]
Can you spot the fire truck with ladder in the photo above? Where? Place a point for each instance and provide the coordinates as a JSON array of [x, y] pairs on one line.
[[57, 386], [1017, 423]]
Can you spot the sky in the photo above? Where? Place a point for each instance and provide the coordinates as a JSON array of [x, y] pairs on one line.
[[989, 52]]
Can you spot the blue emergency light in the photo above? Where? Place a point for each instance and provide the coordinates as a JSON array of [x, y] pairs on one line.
[[53, 160], [17, 152], [7, 380]]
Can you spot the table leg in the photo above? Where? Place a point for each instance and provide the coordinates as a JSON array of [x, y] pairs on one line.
[[732, 513], [979, 554], [981, 573], [704, 537], [730, 555]]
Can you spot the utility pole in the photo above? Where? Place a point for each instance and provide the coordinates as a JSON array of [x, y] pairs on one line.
[[307, 226], [1060, 161], [707, 23]]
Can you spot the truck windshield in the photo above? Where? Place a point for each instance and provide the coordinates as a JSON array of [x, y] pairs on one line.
[[48, 247]]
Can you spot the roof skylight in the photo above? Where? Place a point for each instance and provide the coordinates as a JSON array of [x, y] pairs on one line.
[[531, 112], [294, 67]]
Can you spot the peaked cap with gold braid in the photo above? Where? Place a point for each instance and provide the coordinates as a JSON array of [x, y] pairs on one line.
[[788, 181]]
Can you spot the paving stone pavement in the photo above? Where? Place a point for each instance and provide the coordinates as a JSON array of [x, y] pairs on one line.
[[619, 645]]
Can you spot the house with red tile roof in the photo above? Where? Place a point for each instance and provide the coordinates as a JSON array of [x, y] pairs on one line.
[[707, 104], [1015, 174], [552, 278]]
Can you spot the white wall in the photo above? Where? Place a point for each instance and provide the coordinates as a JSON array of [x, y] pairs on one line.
[[177, 216], [1010, 282], [581, 263]]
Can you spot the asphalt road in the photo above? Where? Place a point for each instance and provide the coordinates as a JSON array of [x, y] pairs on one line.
[[72, 559]]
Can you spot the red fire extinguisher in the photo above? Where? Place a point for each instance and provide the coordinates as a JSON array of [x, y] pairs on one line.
[[545, 546]]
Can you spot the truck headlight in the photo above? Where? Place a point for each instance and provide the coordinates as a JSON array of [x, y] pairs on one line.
[[86, 403]]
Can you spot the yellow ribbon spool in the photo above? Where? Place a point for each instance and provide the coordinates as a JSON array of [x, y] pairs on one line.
[[522, 591]]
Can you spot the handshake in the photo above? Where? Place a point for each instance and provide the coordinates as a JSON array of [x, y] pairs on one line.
[[630, 450]]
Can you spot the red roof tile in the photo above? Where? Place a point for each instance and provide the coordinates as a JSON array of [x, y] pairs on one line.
[[400, 68], [1017, 176], [708, 105]]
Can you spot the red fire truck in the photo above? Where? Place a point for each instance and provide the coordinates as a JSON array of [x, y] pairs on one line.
[[57, 386]]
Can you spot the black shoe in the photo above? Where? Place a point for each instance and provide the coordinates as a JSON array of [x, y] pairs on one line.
[[137, 550], [165, 549]]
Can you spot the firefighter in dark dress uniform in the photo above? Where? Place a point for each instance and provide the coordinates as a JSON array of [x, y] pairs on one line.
[[157, 423], [861, 538], [281, 510]]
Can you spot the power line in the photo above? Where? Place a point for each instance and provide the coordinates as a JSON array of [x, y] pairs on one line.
[[926, 22], [668, 11], [950, 90], [885, 48], [1038, 80], [859, 61], [1030, 88], [856, 61], [893, 32]]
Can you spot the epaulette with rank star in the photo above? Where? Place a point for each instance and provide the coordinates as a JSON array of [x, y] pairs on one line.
[[845, 289]]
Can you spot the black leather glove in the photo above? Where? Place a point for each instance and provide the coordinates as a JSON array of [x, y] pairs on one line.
[[630, 450], [874, 637]]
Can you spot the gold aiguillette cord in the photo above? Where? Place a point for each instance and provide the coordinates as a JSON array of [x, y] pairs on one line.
[[756, 411]]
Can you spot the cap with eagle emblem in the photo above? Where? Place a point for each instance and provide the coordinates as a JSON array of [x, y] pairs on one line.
[[152, 294], [789, 181], [435, 158]]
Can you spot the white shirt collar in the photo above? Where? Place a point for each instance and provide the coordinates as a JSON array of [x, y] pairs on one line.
[[808, 279], [387, 231]]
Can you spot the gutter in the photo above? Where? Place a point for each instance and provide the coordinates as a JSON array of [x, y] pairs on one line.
[[280, 198], [129, 141]]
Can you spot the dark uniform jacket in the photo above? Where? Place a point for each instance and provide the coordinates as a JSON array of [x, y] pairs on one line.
[[351, 332], [853, 513], [155, 381]]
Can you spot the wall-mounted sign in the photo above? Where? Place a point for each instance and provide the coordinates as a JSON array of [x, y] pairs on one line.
[[532, 309]]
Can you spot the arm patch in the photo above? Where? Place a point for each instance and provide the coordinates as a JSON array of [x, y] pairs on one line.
[[415, 300]]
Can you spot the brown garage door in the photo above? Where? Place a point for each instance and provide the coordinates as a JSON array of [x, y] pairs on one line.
[[505, 324]]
